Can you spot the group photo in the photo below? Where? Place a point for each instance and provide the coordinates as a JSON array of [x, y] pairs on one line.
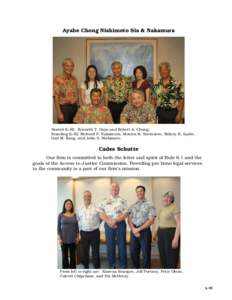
[[118, 81], [118, 222]]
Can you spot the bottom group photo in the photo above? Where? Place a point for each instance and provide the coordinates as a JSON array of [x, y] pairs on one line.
[[118, 222]]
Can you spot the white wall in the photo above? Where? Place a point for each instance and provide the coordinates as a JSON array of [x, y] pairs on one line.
[[128, 185], [99, 187], [161, 185], [64, 191]]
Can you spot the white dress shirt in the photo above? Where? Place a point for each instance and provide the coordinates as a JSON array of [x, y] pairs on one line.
[[88, 218]]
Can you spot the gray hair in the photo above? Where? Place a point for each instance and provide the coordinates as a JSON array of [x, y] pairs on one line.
[[87, 191], [66, 60], [170, 195], [165, 64], [116, 62], [115, 183], [138, 91]]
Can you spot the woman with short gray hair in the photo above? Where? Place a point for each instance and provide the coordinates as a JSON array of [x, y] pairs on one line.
[[168, 232]]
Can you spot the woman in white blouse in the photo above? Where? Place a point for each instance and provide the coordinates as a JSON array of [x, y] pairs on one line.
[[91, 81]]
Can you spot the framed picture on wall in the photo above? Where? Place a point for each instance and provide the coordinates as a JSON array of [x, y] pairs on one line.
[[130, 52]]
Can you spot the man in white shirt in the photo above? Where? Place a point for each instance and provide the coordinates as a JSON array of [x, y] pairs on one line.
[[113, 211], [89, 222]]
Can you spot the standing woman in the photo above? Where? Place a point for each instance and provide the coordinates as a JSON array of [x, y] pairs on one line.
[[140, 82], [68, 234], [168, 232], [91, 81]]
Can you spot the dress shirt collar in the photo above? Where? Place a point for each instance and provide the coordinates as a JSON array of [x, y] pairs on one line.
[[112, 198], [88, 207]]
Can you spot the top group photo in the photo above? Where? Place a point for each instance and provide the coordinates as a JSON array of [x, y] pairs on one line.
[[118, 80]]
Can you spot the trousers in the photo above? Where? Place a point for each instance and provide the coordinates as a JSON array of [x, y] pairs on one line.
[[166, 116], [141, 243], [169, 257], [116, 109], [68, 256], [69, 111], [116, 237], [90, 239]]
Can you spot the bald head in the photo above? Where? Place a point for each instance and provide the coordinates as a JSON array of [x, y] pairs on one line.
[[115, 189], [87, 198]]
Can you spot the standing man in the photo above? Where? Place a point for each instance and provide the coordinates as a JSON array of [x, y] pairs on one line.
[[141, 217], [168, 94], [113, 211], [89, 222], [117, 90], [65, 93]]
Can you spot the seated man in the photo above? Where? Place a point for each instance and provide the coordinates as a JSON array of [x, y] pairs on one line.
[[94, 113], [138, 111]]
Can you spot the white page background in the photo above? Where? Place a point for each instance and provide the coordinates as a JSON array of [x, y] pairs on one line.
[[29, 200]]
